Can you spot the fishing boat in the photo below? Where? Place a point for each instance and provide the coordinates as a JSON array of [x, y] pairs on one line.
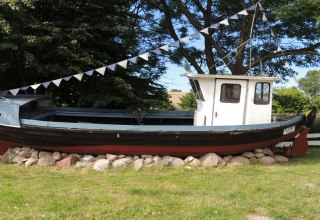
[[233, 115]]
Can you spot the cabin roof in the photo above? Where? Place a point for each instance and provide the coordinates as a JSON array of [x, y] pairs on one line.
[[206, 76], [21, 100]]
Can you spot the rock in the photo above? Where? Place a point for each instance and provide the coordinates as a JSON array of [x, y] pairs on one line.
[[80, 164], [257, 217], [88, 158], [68, 161], [280, 159], [227, 158], [259, 155], [156, 159], [100, 157], [266, 160], [148, 161], [46, 161], [11, 154], [267, 152], [195, 163], [88, 166], [210, 160], [144, 156], [31, 161], [121, 156], [176, 162], [25, 152], [5, 157], [64, 155], [247, 154], [138, 164], [258, 150], [136, 157], [57, 155], [189, 159], [165, 161], [123, 162], [188, 168], [101, 164], [34, 154], [239, 160], [253, 160], [44, 154], [19, 160], [112, 157]]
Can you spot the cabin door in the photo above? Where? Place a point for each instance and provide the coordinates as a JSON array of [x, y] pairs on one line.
[[229, 102]]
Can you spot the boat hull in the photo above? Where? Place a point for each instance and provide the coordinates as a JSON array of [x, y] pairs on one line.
[[137, 142]]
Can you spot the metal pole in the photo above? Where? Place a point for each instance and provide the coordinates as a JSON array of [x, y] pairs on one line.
[[250, 54]]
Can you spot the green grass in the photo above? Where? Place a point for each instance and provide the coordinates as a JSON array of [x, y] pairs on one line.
[[281, 191]]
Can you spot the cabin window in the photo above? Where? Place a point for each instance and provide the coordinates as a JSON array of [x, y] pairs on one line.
[[262, 93], [196, 89], [230, 93]]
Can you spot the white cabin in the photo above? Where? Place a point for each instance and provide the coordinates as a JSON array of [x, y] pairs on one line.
[[232, 99]]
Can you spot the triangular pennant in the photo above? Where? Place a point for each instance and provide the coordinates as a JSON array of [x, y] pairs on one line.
[[89, 73], [234, 17], [134, 60], [215, 26], [67, 78], [175, 44], [243, 12], [196, 35], [272, 34], [252, 8], [205, 31], [25, 88], [165, 47], [14, 91], [157, 51], [46, 84], [186, 40], [101, 70], [224, 22], [279, 49], [264, 17], [123, 63], [78, 76], [35, 86], [145, 56], [57, 82], [287, 65], [261, 7], [112, 67]]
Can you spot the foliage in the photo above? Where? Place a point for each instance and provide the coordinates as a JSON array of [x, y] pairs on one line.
[[316, 125], [221, 193], [289, 100], [188, 101], [316, 102], [181, 18], [311, 83], [46, 40]]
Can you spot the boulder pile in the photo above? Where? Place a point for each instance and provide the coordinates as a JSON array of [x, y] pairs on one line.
[[30, 157]]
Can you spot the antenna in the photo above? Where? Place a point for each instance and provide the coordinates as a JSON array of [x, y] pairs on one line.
[[250, 54]]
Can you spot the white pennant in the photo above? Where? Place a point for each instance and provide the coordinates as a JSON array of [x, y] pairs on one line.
[[67, 78], [25, 88], [35, 86], [46, 84], [234, 17], [264, 17], [112, 67], [272, 34], [252, 8], [243, 12], [123, 63], [165, 47], [205, 31], [57, 82], [133, 60], [215, 26], [145, 56], [157, 51], [14, 91], [279, 49], [101, 70], [186, 39], [224, 22], [196, 35], [260, 6], [78, 76], [175, 44], [89, 73]]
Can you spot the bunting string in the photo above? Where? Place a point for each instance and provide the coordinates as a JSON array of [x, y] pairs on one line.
[[144, 56]]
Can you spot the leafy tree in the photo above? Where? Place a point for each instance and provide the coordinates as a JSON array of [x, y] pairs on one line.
[[188, 101], [301, 45], [289, 100], [46, 40], [311, 83]]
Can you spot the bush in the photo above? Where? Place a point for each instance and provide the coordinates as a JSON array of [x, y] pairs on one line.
[[316, 125]]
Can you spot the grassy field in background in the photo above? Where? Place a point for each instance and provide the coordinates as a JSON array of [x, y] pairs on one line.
[[288, 191]]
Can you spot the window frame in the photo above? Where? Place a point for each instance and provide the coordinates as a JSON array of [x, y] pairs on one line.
[[222, 93], [259, 101]]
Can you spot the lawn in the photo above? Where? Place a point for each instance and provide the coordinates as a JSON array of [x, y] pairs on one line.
[[289, 191]]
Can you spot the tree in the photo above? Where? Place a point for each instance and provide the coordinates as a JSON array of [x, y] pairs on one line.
[[46, 40], [311, 83], [227, 47], [188, 101], [289, 100]]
